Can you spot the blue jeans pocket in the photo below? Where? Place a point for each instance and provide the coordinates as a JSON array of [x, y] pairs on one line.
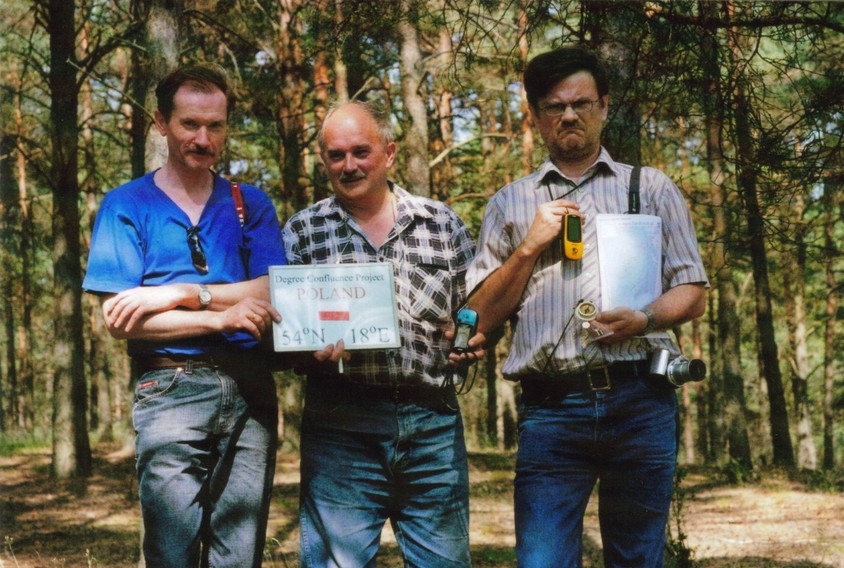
[[155, 384]]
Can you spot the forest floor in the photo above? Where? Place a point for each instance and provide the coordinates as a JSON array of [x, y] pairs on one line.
[[774, 522]]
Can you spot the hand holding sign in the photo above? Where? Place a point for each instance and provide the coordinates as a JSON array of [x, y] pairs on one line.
[[325, 303]]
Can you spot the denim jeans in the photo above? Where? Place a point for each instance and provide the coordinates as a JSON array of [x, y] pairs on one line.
[[367, 458], [625, 439], [205, 444]]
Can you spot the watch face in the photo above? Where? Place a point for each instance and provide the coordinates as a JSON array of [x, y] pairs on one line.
[[204, 296]]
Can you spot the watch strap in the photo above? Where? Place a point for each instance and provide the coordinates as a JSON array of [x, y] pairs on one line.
[[651, 321], [204, 296]]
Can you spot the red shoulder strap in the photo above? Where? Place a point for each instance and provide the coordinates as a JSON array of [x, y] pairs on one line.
[[238, 203]]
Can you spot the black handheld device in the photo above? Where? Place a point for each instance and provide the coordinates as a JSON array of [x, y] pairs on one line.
[[467, 325]]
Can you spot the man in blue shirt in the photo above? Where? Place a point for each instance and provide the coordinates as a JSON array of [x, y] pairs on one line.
[[180, 257]]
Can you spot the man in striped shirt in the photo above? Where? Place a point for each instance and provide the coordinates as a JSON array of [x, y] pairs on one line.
[[588, 410]]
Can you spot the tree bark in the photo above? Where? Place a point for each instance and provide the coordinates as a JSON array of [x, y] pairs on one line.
[[528, 141], [730, 409], [71, 448], [747, 176], [341, 72], [832, 251], [417, 174], [795, 303], [160, 55], [9, 389], [442, 175], [291, 103], [610, 25], [322, 101], [99, 399], [18, 238]]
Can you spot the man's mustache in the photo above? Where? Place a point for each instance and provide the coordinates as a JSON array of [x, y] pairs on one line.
[[201, 151], [351, 177]]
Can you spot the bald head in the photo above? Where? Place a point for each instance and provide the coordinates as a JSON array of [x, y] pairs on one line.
[[357, 149], [360, 110]]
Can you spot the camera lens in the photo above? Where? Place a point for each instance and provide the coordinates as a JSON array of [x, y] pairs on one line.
[[682, 370]]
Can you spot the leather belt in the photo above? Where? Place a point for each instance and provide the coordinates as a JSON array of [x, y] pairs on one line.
[[538, 388], [147, 364], [423, 395], [415, 394]]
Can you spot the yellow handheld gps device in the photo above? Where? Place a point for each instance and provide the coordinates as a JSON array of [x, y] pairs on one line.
[[572, 237]]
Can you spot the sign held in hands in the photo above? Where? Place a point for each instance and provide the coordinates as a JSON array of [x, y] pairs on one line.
[[323, 303]]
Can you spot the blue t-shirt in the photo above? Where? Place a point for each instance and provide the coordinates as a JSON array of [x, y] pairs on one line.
[[140, 239]]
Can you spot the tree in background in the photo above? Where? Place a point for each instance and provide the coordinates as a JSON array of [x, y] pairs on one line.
[[71, 448], [673, 109]]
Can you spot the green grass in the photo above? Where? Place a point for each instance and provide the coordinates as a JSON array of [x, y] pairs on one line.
[[18, 442]]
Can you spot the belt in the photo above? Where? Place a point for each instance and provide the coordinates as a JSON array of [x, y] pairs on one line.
[[538, 388], [406, 394], [422, 395], [145, 364]]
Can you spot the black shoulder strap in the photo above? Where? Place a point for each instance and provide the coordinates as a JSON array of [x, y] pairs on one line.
[[633, 192]]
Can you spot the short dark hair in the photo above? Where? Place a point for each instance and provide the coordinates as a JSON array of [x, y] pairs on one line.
[[203, 77], [549, 68]]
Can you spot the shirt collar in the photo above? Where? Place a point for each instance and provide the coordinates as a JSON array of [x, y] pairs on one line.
[[549, 173], [408, 207]]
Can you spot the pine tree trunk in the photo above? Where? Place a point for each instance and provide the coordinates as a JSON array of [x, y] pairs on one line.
[[727, 376], [292, 99], [832, 251], [769, 357], [417, 173], [71, 448]]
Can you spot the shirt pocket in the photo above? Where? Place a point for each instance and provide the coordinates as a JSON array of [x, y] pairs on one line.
[[430, 290]]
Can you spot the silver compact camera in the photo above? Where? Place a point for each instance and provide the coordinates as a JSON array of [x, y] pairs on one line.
[[675, 372]]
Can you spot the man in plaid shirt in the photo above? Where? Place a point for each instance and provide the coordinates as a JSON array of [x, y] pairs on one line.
[[384, 440]]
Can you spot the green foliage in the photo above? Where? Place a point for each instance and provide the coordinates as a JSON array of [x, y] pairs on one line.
[[677, 551], [825, 480], [737, 474], [16, 442]]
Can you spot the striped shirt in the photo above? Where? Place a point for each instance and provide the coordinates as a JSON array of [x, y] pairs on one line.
[[544, 340], [430, 250]]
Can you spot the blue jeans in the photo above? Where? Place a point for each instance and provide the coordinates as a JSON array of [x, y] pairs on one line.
[[205, 445], [625, 439], [367, 458]]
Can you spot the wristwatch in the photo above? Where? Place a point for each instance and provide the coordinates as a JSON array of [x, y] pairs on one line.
[[651, 322], [204, 296]]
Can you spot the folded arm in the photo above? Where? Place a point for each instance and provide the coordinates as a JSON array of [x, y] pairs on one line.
[[124, 310], [173, 311]]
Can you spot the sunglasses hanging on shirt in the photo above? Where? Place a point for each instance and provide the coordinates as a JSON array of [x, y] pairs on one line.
[[197, 255]]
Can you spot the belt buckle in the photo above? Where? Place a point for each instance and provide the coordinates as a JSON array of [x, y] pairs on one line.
[[607, 384]]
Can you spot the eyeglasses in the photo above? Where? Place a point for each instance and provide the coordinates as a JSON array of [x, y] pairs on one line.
[[197, 255], [559, 109]]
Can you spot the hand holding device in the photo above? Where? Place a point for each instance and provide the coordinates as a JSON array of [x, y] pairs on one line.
[[572, 237], [466, 326]]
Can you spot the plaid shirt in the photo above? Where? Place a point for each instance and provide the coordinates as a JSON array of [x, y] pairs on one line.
[[430, 250]]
